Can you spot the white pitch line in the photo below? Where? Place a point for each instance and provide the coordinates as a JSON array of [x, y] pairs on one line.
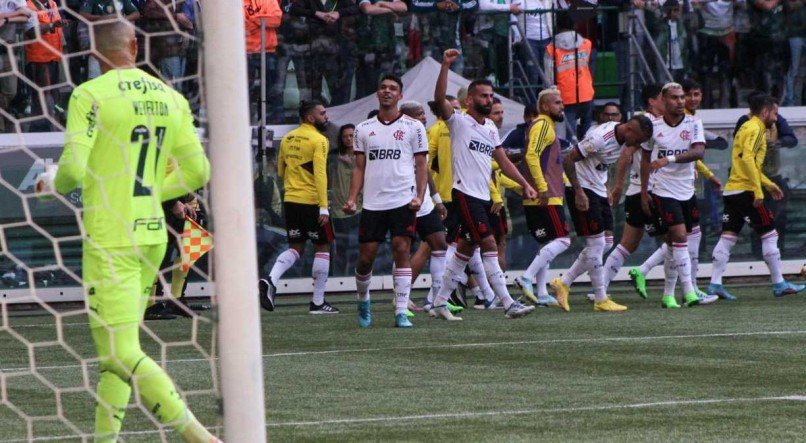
[[468, 345], [476, 414]]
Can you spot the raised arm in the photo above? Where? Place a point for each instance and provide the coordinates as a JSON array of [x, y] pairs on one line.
[[444, 108]]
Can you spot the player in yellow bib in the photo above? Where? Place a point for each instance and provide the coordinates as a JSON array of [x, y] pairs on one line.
[[122, 129]]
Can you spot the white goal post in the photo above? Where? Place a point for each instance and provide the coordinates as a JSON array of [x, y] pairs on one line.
[[232, 202]]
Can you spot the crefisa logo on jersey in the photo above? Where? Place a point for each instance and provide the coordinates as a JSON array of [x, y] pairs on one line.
[[481, 148]]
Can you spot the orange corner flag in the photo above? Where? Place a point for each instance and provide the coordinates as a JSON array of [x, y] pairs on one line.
[[196, 241]]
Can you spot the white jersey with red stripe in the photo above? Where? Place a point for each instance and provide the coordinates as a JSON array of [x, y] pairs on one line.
[[390, 147], [472, 147], [600, 149], [675, 180]]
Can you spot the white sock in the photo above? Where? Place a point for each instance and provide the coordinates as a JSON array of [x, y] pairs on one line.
[[694, 252], [577, 268], [319, 271], [437, 269], [772, 255], [496, 278], [284, 262], [478, 270], [608, 244], [362, 285], [682, 262], [614, 262], [593, 260], [721, 256], [670, 272], [402, 283], [655, 259], [540, 281], [547, 253], [454, 267]]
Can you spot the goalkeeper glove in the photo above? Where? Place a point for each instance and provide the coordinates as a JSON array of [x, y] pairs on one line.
[[43, 187]]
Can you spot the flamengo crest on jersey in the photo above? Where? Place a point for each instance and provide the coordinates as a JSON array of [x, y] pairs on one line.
[[675, 180], [389, 179], [472, 148], [600, 150]]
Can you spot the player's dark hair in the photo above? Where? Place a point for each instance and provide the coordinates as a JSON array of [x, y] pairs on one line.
[[611, 104], [307, 106], [496, 101], [341, 132], [644, 123], [530, 109], [649, 91], [393, 78], [690, 85], [761, 102], [564, 22], [476, 83]]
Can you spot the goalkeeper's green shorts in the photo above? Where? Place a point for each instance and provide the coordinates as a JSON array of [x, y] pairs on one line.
[[118, 281]]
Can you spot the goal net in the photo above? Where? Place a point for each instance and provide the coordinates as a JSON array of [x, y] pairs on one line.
[[211, 348]]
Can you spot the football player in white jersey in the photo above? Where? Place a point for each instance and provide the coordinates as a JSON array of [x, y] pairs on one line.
[[430, 228], [390, 166], [677, 142], [635, 220], [588, 200], [474, 144]]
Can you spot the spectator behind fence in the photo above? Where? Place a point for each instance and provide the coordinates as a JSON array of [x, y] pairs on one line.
[[340, 176], [717, 48], [43, 59], [95, 10], [441, 19], [796, 32], [610, 113], [164, 20], [769, 45], [568, 66], [14, 18], [538, 29], [375, 43], [494, 33], [671, 38], [324, 18], [268, 12]]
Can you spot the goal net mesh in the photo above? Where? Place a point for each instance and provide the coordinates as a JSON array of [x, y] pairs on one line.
[[48, 364]]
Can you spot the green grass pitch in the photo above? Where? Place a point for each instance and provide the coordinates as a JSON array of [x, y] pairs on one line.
[[724, 372]]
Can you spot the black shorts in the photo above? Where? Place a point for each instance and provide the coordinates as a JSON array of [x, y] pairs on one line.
[[474, 216], [499, 224], [374, 225], [451, 222], [302, 223], [694, 208], [546, 223], [671, 212], [739, 208], [634, 215], [597, 219], [429, 224]]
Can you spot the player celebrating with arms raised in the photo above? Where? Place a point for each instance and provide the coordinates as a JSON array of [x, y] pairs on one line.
[[390, 166], [474, 144], [123, 128]]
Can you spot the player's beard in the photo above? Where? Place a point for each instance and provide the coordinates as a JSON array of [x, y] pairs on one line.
[[321, 126], [559, 118], [482, 109]]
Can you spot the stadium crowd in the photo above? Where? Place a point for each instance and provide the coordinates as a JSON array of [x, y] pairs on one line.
[[729, 46]]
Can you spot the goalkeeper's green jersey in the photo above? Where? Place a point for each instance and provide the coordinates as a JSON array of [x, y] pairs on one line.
[[123, 130]]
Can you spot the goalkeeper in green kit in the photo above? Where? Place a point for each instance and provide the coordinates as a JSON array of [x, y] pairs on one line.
[[123, 130]]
